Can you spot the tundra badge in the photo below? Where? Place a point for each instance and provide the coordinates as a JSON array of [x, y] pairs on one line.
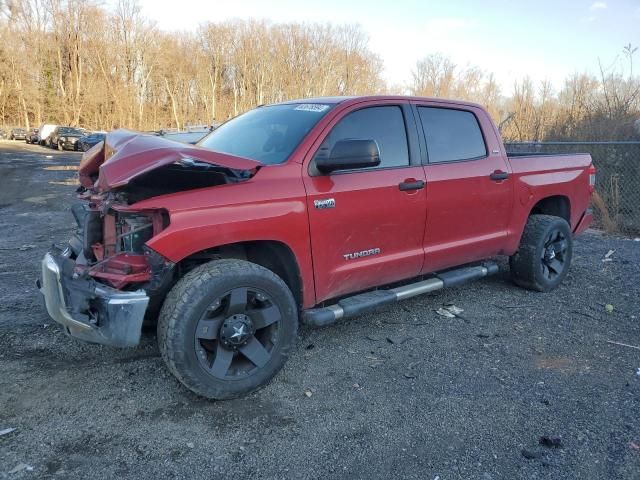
[[363, 253], [326, 203]]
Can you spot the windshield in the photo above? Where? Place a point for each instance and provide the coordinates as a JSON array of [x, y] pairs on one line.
[[266, 134], [69, 131]]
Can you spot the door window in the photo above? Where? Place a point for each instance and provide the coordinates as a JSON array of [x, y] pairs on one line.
[[385, 125], [451, 135]]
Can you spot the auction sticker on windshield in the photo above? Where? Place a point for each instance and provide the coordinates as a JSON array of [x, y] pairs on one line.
[[312, 107]]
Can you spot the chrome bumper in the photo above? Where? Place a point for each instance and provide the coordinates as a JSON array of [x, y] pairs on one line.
[[115, 317]]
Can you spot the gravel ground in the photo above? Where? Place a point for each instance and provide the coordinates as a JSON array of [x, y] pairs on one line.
[[402, 393]]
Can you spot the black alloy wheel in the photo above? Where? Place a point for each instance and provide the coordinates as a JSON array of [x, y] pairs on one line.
[[227, 327], [554, 254], [544, 255], [236, 335]]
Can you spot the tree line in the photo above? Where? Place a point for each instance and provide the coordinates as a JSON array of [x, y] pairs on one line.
[[604, 106], [79, 63]]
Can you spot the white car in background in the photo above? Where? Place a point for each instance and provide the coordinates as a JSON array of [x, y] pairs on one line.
[[44, 131]]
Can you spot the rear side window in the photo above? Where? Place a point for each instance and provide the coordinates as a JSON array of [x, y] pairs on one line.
[[385, 125], [451, 135]]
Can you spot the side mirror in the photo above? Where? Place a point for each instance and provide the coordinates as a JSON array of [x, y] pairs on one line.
[[349, 154]]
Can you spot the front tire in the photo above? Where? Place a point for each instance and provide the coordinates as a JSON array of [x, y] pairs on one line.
[[227, 327], [544, 255]]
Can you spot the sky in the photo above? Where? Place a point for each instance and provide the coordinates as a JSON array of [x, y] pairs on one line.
[[543, 39]]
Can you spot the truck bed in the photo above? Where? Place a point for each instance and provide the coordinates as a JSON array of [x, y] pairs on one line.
[[540, 154]]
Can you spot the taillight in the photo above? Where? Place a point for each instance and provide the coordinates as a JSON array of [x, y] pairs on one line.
[[592, 178]]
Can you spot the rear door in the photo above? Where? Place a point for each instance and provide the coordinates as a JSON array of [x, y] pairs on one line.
[[469, 189], [367, 225]]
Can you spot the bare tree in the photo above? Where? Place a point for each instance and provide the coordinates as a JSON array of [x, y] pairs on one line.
[[628, 51], [82, 62]]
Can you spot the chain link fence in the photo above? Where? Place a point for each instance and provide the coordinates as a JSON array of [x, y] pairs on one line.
[[616, 201]]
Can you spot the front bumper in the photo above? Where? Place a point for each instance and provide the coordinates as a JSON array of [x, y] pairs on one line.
[[69, 144], [90, 310]]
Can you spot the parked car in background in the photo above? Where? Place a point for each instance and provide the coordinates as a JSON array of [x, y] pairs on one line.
[[65, 138], [88, 141], [44, 131], [32, 136], [3, 133], [18, 134]]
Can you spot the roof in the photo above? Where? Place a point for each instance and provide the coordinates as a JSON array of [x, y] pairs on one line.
[[325, 100], [356, 99]]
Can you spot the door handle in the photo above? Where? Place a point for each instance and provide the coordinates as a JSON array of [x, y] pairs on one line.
[[499, 175], [411, 185]]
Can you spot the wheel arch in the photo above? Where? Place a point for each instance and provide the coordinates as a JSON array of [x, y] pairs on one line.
[[556, 205], [270, 254]]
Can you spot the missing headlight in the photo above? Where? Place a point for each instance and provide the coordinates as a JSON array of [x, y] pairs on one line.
[[134, 232]]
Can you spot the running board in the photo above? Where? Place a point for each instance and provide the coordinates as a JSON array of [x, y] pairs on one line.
[[368, 301]]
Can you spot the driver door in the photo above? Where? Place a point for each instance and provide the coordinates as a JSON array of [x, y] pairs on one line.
[[367, 225]]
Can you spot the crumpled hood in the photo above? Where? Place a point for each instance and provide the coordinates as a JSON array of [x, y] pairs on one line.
[[125, 155]]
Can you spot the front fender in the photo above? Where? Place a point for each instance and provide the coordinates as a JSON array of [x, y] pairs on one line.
[[272, 208]]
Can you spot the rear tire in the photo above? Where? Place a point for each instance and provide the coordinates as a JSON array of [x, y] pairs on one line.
[[227, 327], [544, 255]]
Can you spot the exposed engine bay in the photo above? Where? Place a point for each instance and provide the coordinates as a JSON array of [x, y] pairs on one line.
[[184, 174], [110, 242]]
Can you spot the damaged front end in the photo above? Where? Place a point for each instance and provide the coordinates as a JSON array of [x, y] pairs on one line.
[[103, 284], [88, 309]]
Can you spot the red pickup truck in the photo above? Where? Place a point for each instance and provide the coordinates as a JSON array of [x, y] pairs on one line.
[[305, 211]]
